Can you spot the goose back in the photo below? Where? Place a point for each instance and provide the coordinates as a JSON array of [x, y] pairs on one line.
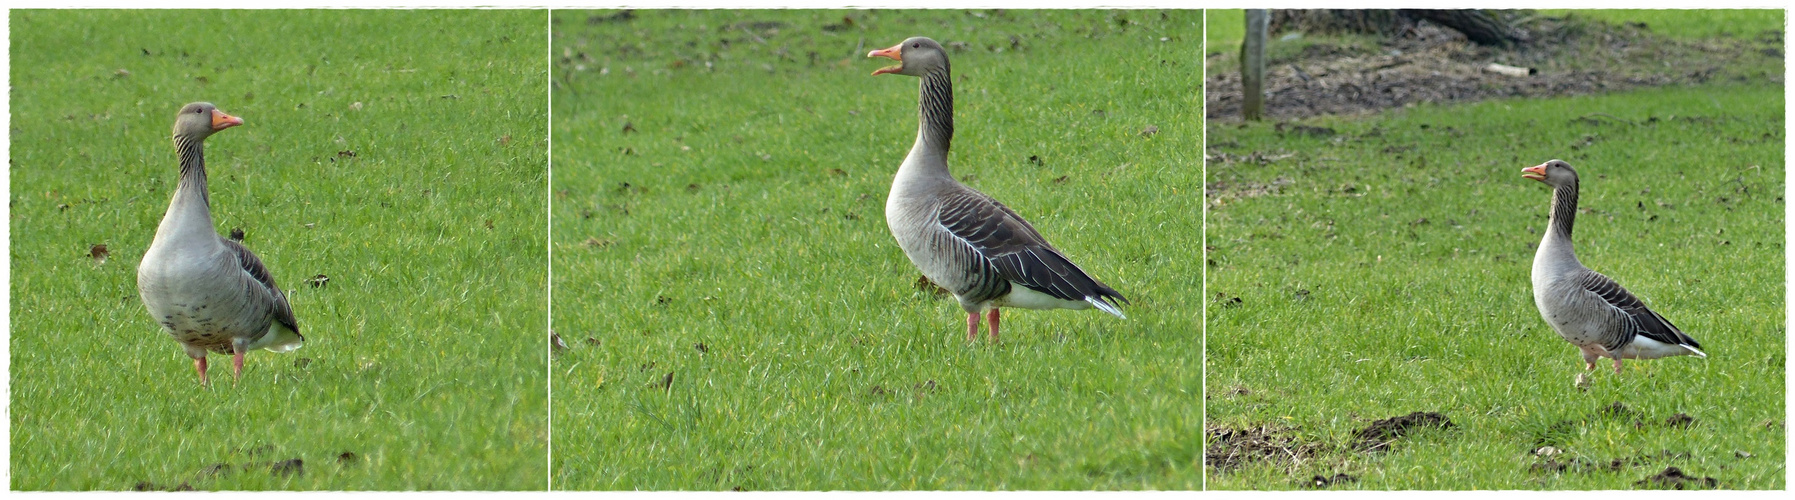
[[978, 249]]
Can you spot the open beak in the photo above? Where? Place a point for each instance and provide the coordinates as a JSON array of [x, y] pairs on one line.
[[1536, 172], [221, 121], [893, 52]]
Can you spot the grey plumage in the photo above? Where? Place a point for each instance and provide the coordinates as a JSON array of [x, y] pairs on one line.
[[209, 293], [963, 240], [1587, 309]]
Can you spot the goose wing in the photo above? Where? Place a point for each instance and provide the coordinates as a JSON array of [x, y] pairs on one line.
[[1644, 321], [263, 283], [1010, 245]]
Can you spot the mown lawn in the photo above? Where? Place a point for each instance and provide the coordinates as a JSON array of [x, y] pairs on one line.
[[1228, 26], [1361, 269], [738, 315], [400, 154]]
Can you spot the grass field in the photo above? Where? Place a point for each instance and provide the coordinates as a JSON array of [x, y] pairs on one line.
[[718, 197], [1687, 24], [400, 153], [1368, 268], [1227, 26]]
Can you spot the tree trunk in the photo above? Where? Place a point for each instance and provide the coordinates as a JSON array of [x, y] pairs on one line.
[[1319, 21], [1252, 65], [1478, 26]]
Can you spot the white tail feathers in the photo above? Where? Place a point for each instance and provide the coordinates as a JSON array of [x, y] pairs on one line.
[[1106, 307]]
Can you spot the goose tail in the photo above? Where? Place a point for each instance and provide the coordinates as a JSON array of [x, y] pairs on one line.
[[1105, 306]]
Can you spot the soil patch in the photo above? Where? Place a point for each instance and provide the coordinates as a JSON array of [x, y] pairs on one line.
[[1680, 420], [1381, 434], [1231, 448], [1617, 410], [1322, 482], [1674, 478], [1431, 64], [1552, 464]]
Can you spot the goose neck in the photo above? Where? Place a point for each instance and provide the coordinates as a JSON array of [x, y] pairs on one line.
[[1564, 210], [193, 171], [935, 129]]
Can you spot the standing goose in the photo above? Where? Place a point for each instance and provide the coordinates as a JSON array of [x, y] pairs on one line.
[[962, 239], [1588, 309], [208, 292]]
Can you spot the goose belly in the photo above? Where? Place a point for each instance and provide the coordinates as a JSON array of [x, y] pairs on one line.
[[206, 310], [944, 259], [1645, 348], [1028, 298], [1577, 325], [958, 270]]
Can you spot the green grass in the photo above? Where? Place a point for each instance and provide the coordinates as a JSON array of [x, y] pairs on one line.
[[400, 153], [1228, 26], [1688, 24], [1384, 269], [733, 235]]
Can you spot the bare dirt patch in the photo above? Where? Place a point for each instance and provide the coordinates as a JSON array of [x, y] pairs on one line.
[[1232, 448], [1323, 482], [1674, 478], [1431, 64], [1680, 420], [1380, 435], [1582, 465]]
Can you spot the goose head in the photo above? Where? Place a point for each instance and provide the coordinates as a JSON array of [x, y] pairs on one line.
[[916, 57], [201, 119], [1554, 173]]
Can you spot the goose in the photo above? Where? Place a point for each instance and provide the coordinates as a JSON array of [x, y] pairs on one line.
[[961, 239], [209, 293], [1588, 309]]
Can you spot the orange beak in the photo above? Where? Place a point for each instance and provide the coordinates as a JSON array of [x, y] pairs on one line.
[[1536, 172], [894, 52], [221, 121]]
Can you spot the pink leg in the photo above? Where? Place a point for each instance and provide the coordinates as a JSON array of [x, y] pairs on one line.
[[1589, 358], [237, 363], [199, 365], [1603, 351], [993, 325], [972, 327]]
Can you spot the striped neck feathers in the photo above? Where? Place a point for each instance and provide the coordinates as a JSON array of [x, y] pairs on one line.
[[936, 129], [193, 168], [1564, 209]]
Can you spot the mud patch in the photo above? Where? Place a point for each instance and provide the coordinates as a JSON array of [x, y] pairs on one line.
[[1552, 463], [288, 467], [1380, 435], [1617, 410], [245, 460], [1682, 420], [149, 486], [1431, 64], [1322, 482], [1231, 448], [1222, 192], [1674, 479]]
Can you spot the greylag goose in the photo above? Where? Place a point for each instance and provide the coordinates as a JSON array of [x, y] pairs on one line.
[[208, 292], [1588, 309], [964, 240]]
